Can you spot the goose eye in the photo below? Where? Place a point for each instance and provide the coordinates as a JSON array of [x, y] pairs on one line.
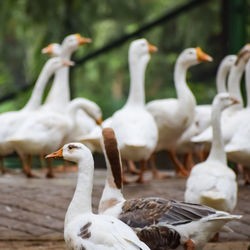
[[70, 147]]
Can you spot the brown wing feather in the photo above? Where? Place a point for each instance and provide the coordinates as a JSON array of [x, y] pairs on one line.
[[159, 237], [139, 213]]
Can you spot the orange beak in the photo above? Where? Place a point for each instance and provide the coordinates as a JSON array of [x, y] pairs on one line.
[[57, 154], [82, 40], [48, 49], [99, 121], [201, 56], [151, 48], [68, 63], [234, 101]]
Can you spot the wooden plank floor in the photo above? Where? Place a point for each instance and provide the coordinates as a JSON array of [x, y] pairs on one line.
[[32, 210]]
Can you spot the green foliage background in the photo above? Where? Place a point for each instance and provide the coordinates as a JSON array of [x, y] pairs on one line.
[[29, 25]]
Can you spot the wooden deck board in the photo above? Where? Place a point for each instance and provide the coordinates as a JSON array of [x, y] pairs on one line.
[[32, 210]]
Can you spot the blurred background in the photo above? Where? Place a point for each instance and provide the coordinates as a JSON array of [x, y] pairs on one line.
[[218, 27]]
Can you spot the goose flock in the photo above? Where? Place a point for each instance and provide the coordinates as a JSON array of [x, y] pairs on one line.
[[134, 134]]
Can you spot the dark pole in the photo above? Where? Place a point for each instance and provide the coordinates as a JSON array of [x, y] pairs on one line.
[[69, 29], [237, 13]]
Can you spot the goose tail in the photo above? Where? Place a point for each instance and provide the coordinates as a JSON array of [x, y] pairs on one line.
[[213, 199]]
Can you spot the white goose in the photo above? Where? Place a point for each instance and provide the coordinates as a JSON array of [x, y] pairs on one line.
[[11, 121], [231, 117], [135, 127], [82, 228], [53, 49], [160, 223], [46, 131], [59, 95], [84, 123], [237, 148], [202, 118], [174, 116], [212, 182]]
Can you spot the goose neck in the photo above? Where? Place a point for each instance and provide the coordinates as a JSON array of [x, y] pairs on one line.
[[37, 93], [136, 90], [221, 77], [234, 79], [217, 150], [59, 95], [247, 78], [184, 94], [81, 202], [75, 105]]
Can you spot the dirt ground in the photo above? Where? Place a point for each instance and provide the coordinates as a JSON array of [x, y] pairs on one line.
[[32, 210]]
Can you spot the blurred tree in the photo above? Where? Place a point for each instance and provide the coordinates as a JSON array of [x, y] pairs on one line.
[[29, 25]]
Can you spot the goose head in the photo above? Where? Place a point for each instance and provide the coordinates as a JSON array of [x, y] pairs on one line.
[[140, 50], [192, 56], [243, 55], [229, 61], [53, 49], [55, 63], [224, 100], [73, 151], [72, 42]]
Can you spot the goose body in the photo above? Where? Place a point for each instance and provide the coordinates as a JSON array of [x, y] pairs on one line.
[[11, 121], [160, 223], [92, 139], [82, 228], [212, 182], [46, 131], [136, 133]]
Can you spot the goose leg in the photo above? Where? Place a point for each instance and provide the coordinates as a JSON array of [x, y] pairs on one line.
[[188, 161], [50, 173], [3, 169], [189, 245], [124, 179], [132, 168], [27, 166], [215, 238], [143, 169], [180, 170], [199, 155], [42, 160], [246, 176], [155, 172]]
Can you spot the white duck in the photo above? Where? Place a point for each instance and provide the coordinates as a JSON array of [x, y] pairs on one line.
[[53, 49], [233, 116], [174, 116], [59, 95], [84, 123], [11, 121], [46, 131], [202, 118], [160, 223], [237, 148], [212, 182], [82, 228], [135, 127]]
